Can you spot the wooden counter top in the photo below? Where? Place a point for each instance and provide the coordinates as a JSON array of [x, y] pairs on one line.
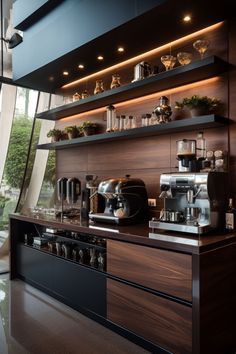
[[139, 234]]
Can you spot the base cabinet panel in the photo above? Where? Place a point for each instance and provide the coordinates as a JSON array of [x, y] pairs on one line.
[[165, 271], [161, 321], [34, 266], [74, 284], [82, 287]]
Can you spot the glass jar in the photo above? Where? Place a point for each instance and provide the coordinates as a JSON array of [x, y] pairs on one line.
[[99, 87], [129, 122], [116, 126], [115, 81], [122, 122]]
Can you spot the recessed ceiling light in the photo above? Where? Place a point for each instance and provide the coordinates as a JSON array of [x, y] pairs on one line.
[[81, 66], [120, 49], [65, 73], [100, 57], [51, 78], [187, 18]]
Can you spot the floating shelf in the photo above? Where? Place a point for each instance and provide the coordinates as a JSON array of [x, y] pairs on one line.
[[181, 75], [202, 122]]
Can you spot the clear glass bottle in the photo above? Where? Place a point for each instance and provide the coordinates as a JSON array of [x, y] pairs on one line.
[[99, 87], [230, 216], [201, 146]]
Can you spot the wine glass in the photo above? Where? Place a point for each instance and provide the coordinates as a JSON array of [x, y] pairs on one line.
[[201, 45], [184, 58], [168, 61]]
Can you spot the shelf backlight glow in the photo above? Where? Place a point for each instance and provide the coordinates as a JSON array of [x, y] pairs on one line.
[[142, 56]]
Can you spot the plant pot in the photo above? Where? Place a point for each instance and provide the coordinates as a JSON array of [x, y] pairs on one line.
[[73, 135], [199, 111], [89, 131], [55, 138]]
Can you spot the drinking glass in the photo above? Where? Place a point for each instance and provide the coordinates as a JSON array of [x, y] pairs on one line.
[[184, 58], [201, 45], [168, 61]]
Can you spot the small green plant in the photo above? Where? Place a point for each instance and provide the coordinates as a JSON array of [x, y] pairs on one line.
[[89, 128], [196, 101], [88, 124], [72, 129], [56, 133]]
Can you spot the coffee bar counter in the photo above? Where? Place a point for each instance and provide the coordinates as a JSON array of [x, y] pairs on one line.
[[168, 292], [139, 234]]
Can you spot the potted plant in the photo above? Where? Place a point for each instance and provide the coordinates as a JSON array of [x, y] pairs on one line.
[[198, 105], [89, 128], [73, 131], [55, 134]]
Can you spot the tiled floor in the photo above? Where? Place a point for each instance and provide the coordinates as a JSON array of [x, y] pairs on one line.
[[34, 323]]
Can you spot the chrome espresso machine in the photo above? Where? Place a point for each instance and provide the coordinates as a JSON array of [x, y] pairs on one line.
[[194, 202], [126, 201]]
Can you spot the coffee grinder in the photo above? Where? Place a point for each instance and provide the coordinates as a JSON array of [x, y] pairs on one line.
[[186, 154]]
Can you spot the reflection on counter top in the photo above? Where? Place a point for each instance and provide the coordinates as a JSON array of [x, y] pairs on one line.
[[139, 234]]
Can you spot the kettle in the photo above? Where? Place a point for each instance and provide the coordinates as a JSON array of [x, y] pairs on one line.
[[141, 70]]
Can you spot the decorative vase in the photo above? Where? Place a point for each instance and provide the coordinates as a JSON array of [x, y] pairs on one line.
[[163, 110], [115, 81], [99, 87]]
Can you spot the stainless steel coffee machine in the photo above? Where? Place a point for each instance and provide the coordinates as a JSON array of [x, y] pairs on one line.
[[193, 202], [126, 201]]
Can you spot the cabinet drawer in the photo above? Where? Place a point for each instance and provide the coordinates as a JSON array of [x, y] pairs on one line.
[[161, 321], [165, 271]]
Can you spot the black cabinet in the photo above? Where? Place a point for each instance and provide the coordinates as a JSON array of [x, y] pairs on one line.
[[75, 285], [80, 286], [35, 266]]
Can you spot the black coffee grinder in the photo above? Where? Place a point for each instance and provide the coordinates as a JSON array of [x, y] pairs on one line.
[[186, 154]]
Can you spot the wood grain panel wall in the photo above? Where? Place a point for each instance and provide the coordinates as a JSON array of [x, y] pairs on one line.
[[147, 158]]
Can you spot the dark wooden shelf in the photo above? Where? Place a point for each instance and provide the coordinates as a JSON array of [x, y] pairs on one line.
[[202, 122], [181, 75]]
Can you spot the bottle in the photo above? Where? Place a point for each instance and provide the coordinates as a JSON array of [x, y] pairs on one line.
[[230, 216], [201, 146]]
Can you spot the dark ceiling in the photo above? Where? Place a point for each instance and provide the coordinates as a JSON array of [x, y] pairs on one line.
[[152, 29]]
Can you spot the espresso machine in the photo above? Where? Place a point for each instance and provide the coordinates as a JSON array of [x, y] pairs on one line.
[[126, 201], [193, 202]]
